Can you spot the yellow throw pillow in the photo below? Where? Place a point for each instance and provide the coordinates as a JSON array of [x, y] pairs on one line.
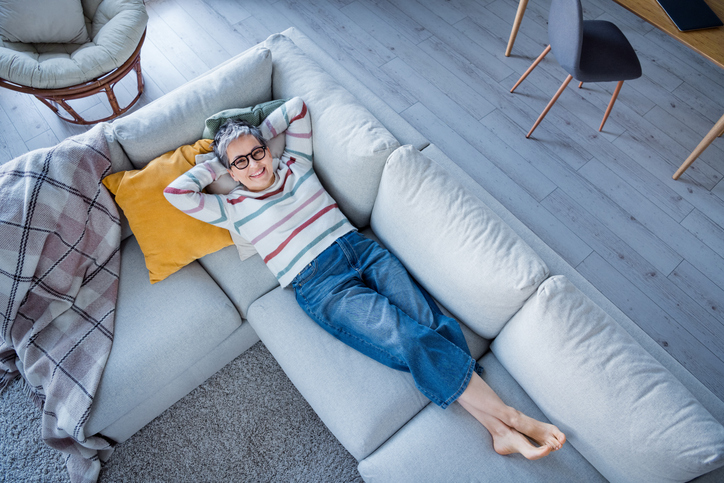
[[168, 238]]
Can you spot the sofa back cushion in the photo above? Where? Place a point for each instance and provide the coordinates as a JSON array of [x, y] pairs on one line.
[[350, 144], [619, 407], [178, 117], [461, 251]]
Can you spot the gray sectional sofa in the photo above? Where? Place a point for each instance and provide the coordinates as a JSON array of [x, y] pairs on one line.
[[550, 344]]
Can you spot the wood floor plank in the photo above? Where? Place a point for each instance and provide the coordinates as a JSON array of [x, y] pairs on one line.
[[687, 187], [611, 215], [339, 49], [45, 139], [270, 16], [644, 182], [216, 24], [695, 284], [488, 35], [666, 148], [168, 42], [688, 138], [159, 68], [233, 10], [450, 10], [21, 110], [679, 109], [469, 99], [202, 42], [706, 230], [694, 95], [660, 225], [455, 39], [392, 15], [719, 190], [11, 144], [332, 17]]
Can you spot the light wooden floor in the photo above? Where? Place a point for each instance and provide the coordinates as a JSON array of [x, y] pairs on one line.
[[605, 201]]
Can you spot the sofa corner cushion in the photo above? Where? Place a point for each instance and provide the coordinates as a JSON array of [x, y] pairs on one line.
[[350, 144], [178, 117], [160, 331], [243, 280], [454, 245], [361, 401], [620, 408]]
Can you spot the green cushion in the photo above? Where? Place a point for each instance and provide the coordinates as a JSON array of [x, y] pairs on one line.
[[253, 115]]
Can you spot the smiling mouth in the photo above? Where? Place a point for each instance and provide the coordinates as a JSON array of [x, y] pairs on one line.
[[258, 173]]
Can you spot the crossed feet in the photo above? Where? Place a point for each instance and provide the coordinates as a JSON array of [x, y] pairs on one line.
[[509, 440], [512, 431]]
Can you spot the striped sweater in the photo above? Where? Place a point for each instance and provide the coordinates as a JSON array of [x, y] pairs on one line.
[[291, 222]]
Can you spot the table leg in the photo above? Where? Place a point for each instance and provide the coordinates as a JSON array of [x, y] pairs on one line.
[[516, 25], [717, 130]]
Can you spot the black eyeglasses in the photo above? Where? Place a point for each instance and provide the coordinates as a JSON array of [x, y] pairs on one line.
[[241, 162]]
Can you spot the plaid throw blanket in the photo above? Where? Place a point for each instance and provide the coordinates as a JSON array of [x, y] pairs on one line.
[[59, 264]]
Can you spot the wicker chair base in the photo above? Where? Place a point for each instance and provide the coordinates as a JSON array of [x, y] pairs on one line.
[[54, 98]]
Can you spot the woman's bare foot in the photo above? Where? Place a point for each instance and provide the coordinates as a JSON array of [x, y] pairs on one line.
[[503, 421], [542, 433], [508, 441]]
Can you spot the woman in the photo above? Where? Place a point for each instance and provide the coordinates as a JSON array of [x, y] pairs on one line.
[[353, 288]]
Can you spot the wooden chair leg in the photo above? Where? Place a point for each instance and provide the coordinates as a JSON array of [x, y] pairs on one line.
[[516, 25], [530, 69], [580, 84], [610, 104], [550, 104], [708, 139]]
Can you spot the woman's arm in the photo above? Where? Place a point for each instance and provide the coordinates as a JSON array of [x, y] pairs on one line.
[[292, 118], [185, 194]]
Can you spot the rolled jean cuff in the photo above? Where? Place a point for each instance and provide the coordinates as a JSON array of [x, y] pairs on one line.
[[472, 367]]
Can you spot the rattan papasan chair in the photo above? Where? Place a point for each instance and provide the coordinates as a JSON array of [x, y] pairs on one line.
[[60, 50]]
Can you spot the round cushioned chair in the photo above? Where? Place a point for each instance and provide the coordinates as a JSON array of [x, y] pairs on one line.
[[58, 72]]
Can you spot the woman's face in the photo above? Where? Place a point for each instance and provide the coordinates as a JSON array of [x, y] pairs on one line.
[[258, 175]]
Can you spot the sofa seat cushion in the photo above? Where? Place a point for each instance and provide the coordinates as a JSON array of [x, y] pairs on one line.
[[619, 407], [457, 247], [242, 281], [421, 450], [160, 331], [179, 117], [360, 400], [350, 144]]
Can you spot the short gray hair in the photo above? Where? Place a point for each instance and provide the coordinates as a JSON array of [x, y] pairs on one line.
[[229, 131]]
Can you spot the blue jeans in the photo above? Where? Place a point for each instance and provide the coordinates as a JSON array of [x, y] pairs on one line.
[[362, 295]]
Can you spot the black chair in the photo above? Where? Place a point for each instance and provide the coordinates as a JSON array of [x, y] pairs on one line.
[[589, 50]]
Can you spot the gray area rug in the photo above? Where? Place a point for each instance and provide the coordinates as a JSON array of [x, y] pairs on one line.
[[246, 423]]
